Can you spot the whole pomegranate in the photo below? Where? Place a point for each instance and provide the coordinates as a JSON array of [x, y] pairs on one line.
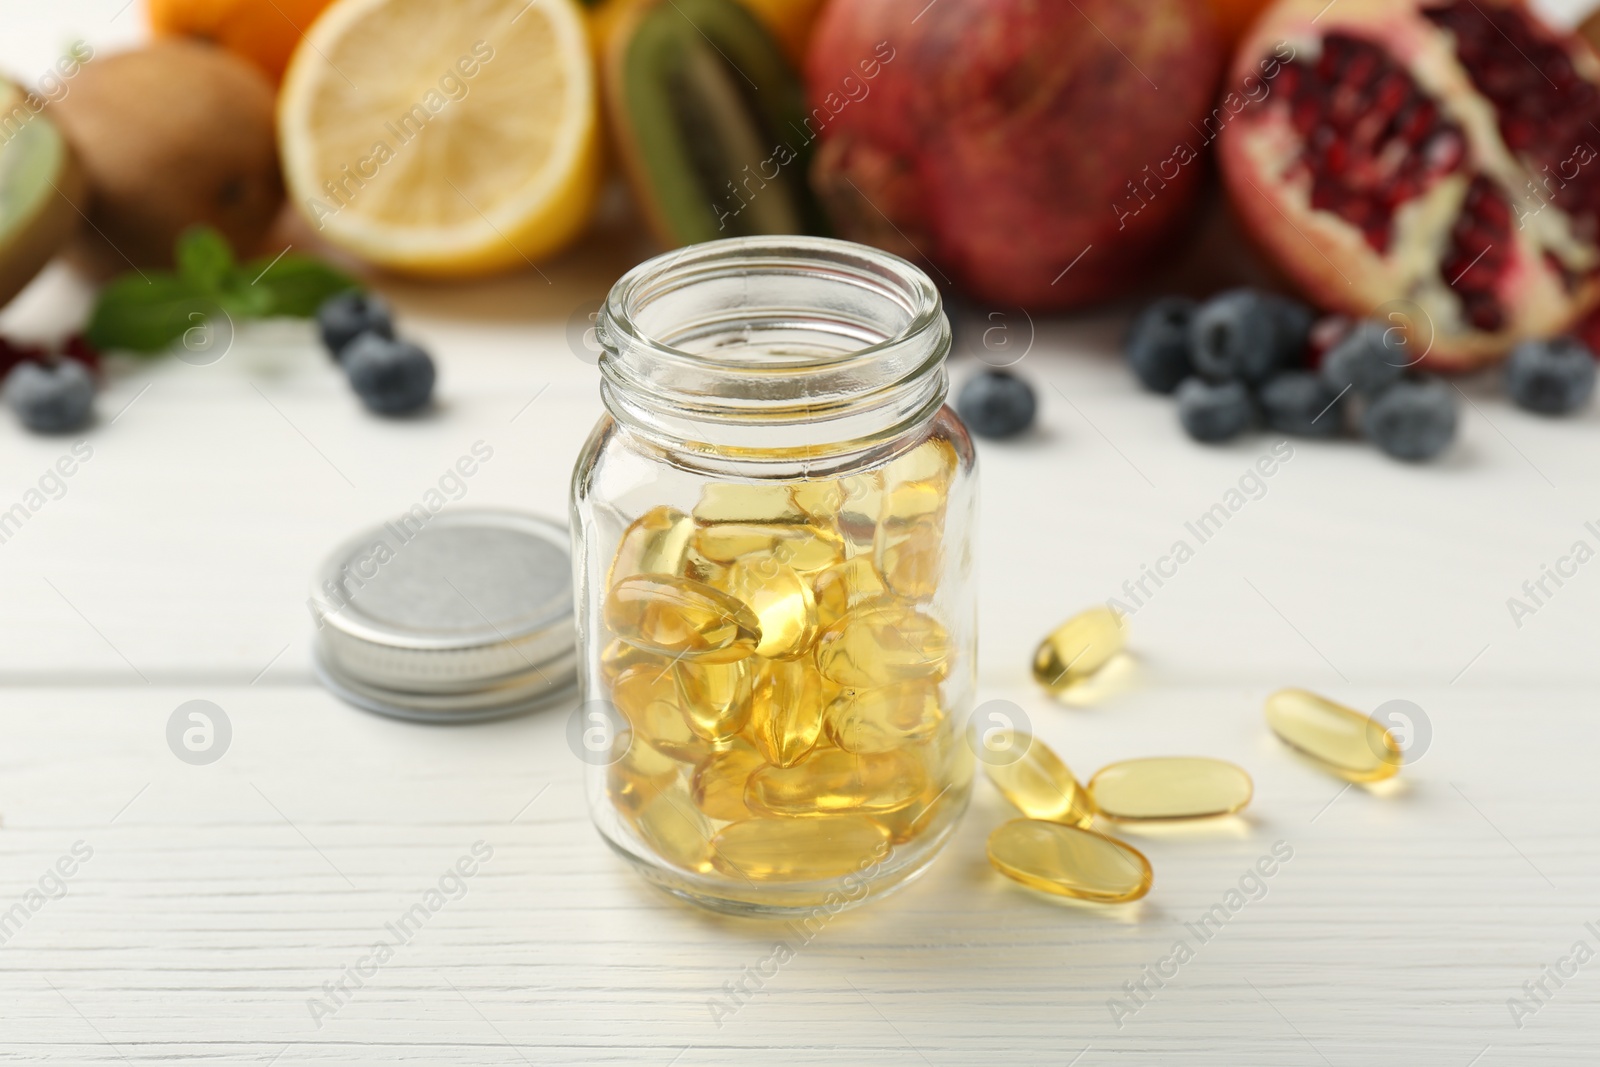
[[1037, 152], [1432, 161]]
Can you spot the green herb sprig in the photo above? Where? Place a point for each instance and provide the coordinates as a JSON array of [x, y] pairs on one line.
[[147, 312]]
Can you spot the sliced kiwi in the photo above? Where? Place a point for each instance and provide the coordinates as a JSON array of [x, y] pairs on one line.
[[710, 123], [39, 179]]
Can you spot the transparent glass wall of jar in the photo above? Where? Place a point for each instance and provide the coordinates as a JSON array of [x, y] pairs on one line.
[[773, 536]]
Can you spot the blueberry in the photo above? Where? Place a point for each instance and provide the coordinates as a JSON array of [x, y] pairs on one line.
[[996, 404], [1214, 411], [1158, 344], [1412, 420], [1369, 359], [50, 399], [343, 318], [1295, 322], [391, 377], [1300, 403], [1246, 335], [1551, 377]]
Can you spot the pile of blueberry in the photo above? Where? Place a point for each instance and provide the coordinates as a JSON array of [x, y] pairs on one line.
[[392, 377], [50, 392], [1246, 358]]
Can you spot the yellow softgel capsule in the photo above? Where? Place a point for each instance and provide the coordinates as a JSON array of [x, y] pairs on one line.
[[1069, 862], [882, 642], [618, 656], [679, 617], [656, 543], [909, 545], [857, 517], [761, 502], [1170, 787], [787, 710], [885, 718], [1039, 785], [931, 809], [674, 828], [819, 498], [783, 604], [805, 548], [1078, 647], [1342, 740], [719, 781], [799, 850], [647, 696], [639, 775], [933, 461], [831, 781], [715, 697], [729, 542], [844, 586]]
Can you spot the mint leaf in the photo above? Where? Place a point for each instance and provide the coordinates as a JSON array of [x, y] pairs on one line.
[[147, 316], [204, 258], [298, 284], [147, 313]]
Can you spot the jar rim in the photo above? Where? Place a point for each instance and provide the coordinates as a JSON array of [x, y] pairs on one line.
[[916, 291]]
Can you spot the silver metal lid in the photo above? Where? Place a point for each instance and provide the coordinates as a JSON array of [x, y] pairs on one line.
[[455, 617]]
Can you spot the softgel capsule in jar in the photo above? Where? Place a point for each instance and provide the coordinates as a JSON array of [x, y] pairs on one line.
[[772, 528]]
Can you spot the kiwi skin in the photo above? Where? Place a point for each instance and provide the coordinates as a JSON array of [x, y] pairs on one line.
[[30, 241], [701, 98], [169, 135]]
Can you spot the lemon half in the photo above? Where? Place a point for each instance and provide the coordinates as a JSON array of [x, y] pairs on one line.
[[444, 138]]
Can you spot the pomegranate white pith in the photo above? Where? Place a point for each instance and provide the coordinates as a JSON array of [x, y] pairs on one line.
[[1374, 166]]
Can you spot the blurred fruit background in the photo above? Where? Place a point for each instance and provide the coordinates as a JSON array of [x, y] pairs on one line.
[[1425, 165]]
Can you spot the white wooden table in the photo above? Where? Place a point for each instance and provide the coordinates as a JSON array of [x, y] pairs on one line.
[[210, 909]]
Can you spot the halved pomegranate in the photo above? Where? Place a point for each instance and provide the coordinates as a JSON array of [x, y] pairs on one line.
[[1444, 153]]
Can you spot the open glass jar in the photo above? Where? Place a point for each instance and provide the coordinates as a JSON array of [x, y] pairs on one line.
[[775, 593]]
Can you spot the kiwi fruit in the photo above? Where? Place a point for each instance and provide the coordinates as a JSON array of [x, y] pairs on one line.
[[709, 120], [170, 135], [39, 180]]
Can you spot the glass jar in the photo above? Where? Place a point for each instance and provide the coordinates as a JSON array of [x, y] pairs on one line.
[[772, 536]]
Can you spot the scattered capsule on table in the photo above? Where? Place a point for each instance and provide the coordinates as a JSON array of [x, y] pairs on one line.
[[656, 543], [799, 850], [1040, 786], [1069, 862], [1078, 648], [1339, 739], [882, 642], [832, 781], [680, 617], [1170, 787]]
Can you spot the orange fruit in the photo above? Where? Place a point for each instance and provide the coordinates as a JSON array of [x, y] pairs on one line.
[[262, 32], [1235, 16]]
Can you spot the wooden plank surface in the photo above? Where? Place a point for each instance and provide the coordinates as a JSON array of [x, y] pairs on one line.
[[207, 906]]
